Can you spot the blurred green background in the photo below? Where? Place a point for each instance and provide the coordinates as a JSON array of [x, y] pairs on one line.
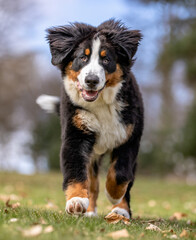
[[165, 70]]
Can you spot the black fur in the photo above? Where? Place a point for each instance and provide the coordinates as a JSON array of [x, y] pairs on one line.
[[66, 43]]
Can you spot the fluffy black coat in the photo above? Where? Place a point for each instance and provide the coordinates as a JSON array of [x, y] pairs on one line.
[[77, 145]]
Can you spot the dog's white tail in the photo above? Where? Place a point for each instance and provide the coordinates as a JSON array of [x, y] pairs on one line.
[[49, 103]]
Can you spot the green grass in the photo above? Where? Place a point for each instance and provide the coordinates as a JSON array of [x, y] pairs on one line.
[[152, 199]]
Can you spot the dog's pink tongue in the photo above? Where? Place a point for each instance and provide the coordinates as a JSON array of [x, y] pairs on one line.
[[90, 95]]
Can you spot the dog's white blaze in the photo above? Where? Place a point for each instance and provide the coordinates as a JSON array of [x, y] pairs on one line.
[[93, 67]]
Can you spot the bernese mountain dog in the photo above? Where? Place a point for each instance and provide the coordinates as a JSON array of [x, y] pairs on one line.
[[101, 111]]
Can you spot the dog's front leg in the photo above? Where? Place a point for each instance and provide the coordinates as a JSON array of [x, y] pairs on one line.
[[76, 151], [120, 177]]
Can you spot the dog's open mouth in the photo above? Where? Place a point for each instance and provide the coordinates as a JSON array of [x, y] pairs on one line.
[[88, 95]]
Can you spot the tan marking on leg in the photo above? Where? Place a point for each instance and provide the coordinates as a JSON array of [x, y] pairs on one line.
[[112, 79], [87, 51], [71, 73], [116, 191], [93, 190], [103, 53], [79, 189], [78, 122], [130, 128], [123, 204]]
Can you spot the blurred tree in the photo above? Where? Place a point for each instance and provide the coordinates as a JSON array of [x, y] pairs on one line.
[[21, 77], [187, 145], [46, 141], [178, 43], [14, 13]]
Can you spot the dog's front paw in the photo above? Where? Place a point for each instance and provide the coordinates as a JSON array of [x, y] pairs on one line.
[[121, 211], [77, 205]]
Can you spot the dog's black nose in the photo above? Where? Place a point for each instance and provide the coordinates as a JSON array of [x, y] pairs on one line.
[[91, 80]]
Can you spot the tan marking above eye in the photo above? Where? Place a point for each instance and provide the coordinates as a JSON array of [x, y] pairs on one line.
[[87, 52], [103, 53]]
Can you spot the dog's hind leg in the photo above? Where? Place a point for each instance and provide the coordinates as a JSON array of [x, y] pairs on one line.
[[93, 179]]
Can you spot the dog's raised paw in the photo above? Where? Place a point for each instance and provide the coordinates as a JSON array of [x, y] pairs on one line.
[[77, 205]]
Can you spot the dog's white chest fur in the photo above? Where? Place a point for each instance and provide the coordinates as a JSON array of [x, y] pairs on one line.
[[101, 116], [111, 132]]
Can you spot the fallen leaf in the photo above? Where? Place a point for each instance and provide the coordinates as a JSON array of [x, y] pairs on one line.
[[177, 216], [119, 234], [184, 233], [153, 227], [48, 229], [13, 205], [12, 220], [115, 218], [32, 231], [152, 203]]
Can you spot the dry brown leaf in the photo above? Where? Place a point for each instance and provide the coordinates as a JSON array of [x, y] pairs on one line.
[[114, 218], [119, 234], [32, 231], [153, 227], [177, 216], [184, 233], [13, 205], [48, 229]]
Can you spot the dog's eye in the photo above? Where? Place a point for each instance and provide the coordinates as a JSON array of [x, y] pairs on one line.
[[84, 59], [105, 61]]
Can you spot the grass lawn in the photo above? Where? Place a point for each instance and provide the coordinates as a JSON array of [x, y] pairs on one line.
[[42, 209]]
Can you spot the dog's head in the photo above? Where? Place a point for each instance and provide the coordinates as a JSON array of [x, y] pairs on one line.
[[93, 58]]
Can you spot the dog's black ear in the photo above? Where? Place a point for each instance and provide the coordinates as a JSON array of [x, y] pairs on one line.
[[64, 39], [124, 40], [127, 41]]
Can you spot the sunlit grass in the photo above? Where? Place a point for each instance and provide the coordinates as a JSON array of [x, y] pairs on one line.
[[42, 201]]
